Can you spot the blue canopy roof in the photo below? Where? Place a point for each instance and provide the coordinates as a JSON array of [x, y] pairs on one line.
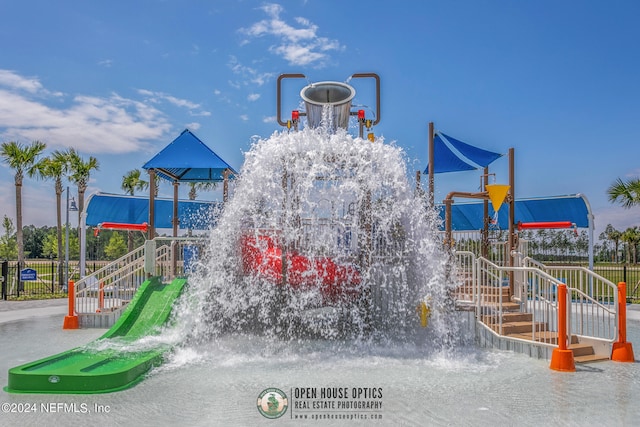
[[466, 157], [573, 208], [195, 215], [188, 159]]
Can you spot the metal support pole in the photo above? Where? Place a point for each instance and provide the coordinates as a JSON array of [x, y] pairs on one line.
[[66, 243], [152, 199], [431, 166]]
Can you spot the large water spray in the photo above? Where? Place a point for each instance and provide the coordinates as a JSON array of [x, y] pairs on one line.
[[324, 237]]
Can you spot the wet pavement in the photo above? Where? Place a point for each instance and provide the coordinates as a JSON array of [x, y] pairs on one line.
[[17, 310]]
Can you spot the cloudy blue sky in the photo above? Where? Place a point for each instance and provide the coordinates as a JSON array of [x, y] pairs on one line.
[[557, 80]]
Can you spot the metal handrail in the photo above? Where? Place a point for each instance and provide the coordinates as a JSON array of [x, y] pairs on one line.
[[114, 285], [587, 317]]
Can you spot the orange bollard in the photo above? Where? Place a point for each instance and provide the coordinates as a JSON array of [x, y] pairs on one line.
[[622, 351], [71, 320], [562, 357]]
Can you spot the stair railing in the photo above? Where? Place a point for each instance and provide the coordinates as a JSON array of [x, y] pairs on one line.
[[594, 300], [115, 284], [593, 311]]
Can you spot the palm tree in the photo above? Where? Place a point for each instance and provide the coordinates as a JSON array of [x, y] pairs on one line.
[[194, 187], [626, 193], [55, 167], [80, 172], [130, 183], [631, 236], [614, 235], [20, 158]]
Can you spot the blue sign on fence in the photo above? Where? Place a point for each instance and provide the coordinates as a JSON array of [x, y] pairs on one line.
[[28, 274]]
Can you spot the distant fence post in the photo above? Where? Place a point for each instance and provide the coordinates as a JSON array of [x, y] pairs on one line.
[[53, 277], [5, 278]]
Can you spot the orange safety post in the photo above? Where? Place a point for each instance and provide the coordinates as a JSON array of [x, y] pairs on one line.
[[100, 298], [622, 351], [71, 321], [562, 358]]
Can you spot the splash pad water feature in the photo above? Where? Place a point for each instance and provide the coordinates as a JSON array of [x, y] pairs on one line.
[[325, 239], [357, 253], [333, 240]]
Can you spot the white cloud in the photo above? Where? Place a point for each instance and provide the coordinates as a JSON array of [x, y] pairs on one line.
[[251, 75], [244, 117], [91, 124], [299, 45], [15, 81], [253, 97]]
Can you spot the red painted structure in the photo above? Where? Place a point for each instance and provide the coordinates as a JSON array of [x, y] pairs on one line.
[[548, 224], [262, 257], [121, 226]]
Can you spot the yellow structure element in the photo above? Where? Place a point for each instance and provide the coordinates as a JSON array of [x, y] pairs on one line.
[[497, 194], [424, 312], [371, 137]]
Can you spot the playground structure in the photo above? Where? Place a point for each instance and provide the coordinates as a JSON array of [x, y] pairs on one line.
[[301, 242]]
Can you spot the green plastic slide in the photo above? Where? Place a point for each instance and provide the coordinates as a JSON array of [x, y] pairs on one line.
[[106, 368]]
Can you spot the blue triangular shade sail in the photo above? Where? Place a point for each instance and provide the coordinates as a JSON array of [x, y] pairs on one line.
[[476, 155], [445, 160], [188, 159]]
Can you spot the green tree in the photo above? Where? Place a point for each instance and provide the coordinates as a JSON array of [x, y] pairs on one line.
[[627, 193], [50, 246], [33, 240], [80, 172], [8, 243], [55, 167], [130, 183], [610, 233], [20, 158], [631, 237], [116, 247]]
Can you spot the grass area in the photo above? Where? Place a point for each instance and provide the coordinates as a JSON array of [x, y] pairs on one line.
[[34, 297]]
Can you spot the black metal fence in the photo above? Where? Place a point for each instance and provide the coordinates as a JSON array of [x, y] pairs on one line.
[[39, 279], [630, 274]]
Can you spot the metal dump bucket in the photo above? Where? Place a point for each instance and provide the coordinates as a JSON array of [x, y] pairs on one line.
[[336, 96]]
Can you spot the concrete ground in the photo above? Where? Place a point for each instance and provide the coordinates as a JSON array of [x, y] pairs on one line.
[[17, 310]]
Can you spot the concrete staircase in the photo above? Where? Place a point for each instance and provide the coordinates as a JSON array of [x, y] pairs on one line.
[[517, 324]]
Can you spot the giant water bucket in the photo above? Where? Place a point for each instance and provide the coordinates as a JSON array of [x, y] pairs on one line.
[[335, 96]]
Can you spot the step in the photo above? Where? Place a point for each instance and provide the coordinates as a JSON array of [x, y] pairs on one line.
[[581, 350], [506, 306], [550, 337], [508, 317], [589, 358], [519, 327]]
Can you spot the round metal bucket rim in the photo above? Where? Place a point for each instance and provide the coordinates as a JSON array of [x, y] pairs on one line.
[[352, 93]]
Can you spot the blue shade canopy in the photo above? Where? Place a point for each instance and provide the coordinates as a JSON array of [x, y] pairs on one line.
[[573, 208], [188, 159], [477, 155], [470, 157], [445, 160], [195, 215]]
